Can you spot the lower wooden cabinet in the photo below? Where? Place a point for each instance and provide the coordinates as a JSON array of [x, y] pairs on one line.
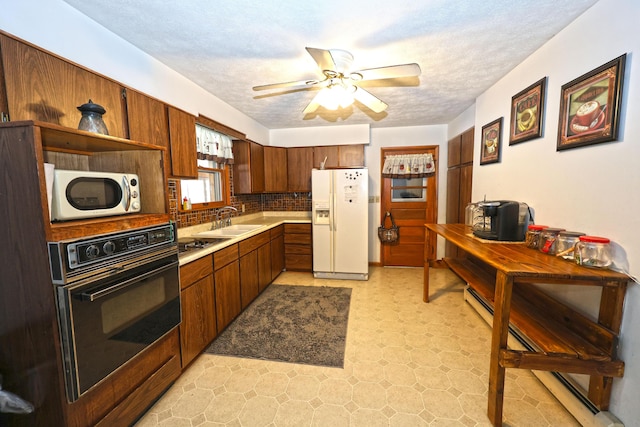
[[298, 255], [197, 298], [277, 251], [255, 266], [227, 283]]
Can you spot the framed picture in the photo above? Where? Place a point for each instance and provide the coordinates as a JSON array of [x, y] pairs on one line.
[[590, 106], [491, 142], [527, 113]]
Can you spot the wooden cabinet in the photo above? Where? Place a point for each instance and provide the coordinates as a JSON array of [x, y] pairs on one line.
[[29, 339], [339, 156], [298, 247], [275, 169], [182, 140], [277, 251], [147, 119], [255, 266], [78, 150], [227, 283], [459, 181], [299, 165], [197, 296], [248, 167], [41, 86]]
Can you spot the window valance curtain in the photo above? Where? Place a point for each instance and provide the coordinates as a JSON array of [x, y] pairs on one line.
[[212, 145], [408, 166]]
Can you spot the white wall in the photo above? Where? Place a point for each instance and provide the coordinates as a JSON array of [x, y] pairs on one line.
[[592, 189], [57, 27], [320, 135]]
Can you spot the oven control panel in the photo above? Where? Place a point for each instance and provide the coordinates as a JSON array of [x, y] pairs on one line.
[[86, 252]]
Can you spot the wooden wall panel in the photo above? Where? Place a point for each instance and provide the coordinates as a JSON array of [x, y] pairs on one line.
[[43, 87]]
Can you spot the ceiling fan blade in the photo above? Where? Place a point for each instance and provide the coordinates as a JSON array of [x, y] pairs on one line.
[[314, 104], [301, 83], [322, 57], [390, 72], [369, 100]]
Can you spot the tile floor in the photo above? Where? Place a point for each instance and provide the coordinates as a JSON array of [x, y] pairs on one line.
[[407, 364]]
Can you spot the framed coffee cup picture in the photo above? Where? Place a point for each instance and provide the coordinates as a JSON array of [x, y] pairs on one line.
[[527, 113], [491, 142], [590, 106]]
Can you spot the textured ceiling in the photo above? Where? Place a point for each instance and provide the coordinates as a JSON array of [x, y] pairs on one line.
[[227, 47]]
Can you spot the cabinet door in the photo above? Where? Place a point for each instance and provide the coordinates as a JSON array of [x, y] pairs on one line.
[[275, 169], [466, 147], [453, 195], [299, 165], [277, 253], [182, 139], [351, 155], [453, 151], [330, 152], [40, 86], [198, 327], [257, 168], [249, 279], [228, 300], [147, 119], [248, 167], [466, 179], [264, 266]]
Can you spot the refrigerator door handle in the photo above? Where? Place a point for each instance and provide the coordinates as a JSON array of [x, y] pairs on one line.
[[334, 217]]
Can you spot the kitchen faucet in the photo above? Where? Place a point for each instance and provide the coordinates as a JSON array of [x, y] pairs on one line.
[[220, 221]]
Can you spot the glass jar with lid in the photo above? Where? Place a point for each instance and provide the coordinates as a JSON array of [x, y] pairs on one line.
[[547, 242], [565, 245], [593, 251], [532, 236]]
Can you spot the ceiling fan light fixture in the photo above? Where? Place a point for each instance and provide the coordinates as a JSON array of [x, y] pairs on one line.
[[336, 95]]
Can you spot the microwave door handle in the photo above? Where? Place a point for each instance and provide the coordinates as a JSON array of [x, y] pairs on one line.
[[127, 190], [93, 296]]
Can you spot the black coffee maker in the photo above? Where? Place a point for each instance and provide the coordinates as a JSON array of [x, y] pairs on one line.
[[498, 220]]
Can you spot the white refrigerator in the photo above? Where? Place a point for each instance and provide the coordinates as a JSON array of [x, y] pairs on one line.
[[340, 216]]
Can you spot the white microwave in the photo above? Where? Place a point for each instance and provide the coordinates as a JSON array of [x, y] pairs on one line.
[[85, 194]]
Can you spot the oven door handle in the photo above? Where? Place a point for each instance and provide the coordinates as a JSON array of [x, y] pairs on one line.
[[93, 296]]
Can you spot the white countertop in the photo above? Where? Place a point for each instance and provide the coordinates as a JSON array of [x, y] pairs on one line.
[[267, 220]]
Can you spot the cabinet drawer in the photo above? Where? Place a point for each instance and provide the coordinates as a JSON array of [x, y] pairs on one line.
[[277, 231], [298, 262], [253, 243], [194, 271], [297, 239], [298, 249], [225, 256], [297, 228]]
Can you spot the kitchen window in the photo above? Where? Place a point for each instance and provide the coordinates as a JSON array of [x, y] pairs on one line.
[[408, 189]]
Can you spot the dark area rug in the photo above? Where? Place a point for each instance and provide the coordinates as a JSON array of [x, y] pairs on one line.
[[298, 324]]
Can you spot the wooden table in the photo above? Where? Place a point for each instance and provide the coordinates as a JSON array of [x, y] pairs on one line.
[[566, 340]]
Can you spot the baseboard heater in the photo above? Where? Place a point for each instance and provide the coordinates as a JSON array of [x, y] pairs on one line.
[[563, 388]]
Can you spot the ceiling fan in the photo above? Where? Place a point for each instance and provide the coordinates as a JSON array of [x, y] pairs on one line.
[[339, 87]]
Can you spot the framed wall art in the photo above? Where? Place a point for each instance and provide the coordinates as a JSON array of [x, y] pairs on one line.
[[527, 113], [590, 106], [491, 138]]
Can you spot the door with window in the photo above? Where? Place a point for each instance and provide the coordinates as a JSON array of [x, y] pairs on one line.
[[412, 200]]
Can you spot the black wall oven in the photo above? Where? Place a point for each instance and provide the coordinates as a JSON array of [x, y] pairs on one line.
[[116, 295]]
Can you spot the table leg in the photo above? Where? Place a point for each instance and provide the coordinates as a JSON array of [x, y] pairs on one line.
[[425, 279], [502, 307]]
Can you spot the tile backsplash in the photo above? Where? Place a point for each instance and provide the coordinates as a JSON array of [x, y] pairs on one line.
[[253, 203]]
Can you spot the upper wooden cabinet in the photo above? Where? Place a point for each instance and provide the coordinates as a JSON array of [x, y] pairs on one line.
[[275, 169], [299, 165], [182, 140], [147, 118], [339, 156], [248, 167], [459, 181], [41, 86]]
